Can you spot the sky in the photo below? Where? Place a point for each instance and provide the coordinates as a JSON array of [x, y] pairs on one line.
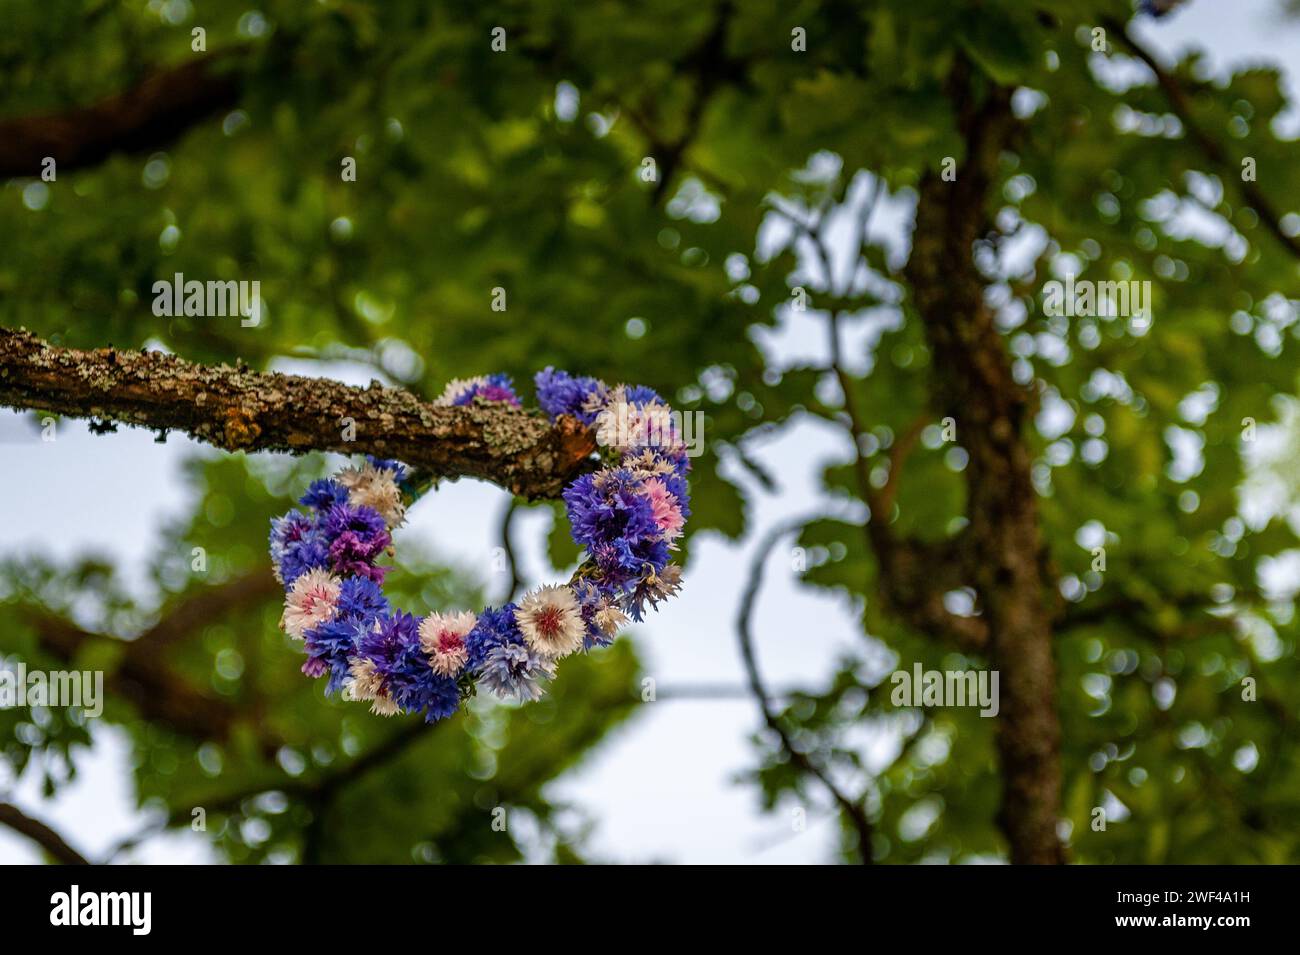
[[665, 785]]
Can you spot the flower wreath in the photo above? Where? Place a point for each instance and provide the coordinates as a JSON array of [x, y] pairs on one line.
[[627, 516]]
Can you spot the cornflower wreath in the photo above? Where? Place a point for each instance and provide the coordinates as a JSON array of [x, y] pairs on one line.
[[627, 516]]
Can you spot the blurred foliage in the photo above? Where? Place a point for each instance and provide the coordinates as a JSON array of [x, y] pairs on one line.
[[522, 170], [294, 764]]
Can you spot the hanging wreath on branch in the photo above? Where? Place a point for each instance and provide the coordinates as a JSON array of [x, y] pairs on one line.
[[627, 516]]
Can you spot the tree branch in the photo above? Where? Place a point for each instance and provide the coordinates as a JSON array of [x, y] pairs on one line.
[[142, 675], [712, 69], [41, 834], [854, 809], [914, 576], [317, 791], [1213, 150], [149, 116], [237, 409], [146, 681], [898, 454], [196, 609], [325, 785], [513, 580]]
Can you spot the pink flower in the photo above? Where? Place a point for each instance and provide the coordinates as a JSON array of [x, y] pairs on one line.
[[442, 638], [311, 600], [667, 512]]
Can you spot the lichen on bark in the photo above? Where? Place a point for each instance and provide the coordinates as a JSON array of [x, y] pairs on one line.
[[237, 409]]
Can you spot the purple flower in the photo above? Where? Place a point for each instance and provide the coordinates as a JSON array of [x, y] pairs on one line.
[[394, 633], [393, 646], [315, 667], [366, 522], [385, 643], [360, 597], [494, 628], [353, 555], [613, 518], [490, 392], [324, 494], [560, 393], [514, 670], [357, 535], [641, 395], [309, 553], [331, 646], [386, 464], [463, 391]]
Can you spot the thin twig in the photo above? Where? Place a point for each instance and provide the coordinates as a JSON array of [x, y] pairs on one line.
[[513, 582], [1214, 150], [854, 809], [41, 834]]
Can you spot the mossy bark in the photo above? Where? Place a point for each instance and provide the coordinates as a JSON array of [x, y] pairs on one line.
[[238, 409]]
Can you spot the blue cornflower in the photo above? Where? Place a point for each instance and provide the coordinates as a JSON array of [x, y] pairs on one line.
[[309, 553], [494, 628], [331, 646], [614, 520], [393, 646], [288, 530], [324, 493], [559, 393], [512, 669], [359, 597], [387, 464], [641, 395]]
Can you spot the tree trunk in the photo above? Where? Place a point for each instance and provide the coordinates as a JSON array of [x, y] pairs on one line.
[[973, 384]]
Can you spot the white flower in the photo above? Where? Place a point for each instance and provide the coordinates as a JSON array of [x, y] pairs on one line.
[[369, 486], [442, 638], [648, 464], [365, 683], [313, 599], [457, 387], [551, 621], [630, 427], [614, 425], [610, 620]]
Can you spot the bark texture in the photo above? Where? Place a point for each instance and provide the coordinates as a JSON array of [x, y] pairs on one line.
[[1002, 548], [237, 409]]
